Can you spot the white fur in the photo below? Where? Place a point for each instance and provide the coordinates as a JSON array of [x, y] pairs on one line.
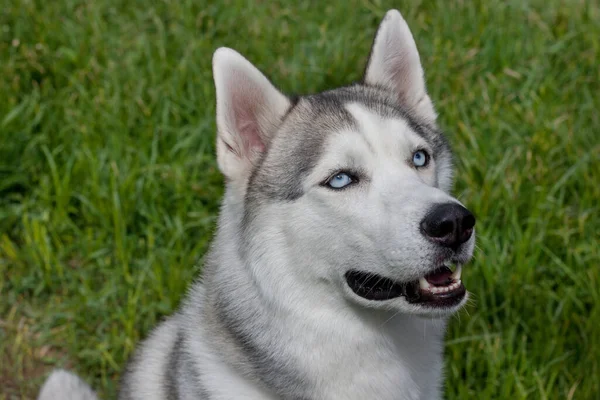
[[148, 380], [62, 385]]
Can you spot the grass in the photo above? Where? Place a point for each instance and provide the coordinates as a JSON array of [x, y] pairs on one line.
[[109, 188]]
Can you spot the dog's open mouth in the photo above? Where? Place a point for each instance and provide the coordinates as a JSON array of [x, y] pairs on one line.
[[439, 288]]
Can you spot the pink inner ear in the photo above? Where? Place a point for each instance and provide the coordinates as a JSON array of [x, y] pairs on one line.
[[398, 68], [248, 129], [245, 112]]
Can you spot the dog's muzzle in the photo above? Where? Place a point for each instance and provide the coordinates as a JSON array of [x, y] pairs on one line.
[[448, 225]]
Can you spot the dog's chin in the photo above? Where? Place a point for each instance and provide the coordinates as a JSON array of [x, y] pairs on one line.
[[439, 292]]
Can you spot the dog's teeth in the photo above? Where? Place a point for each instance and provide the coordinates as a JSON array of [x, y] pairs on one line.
[[457, 272], [423, 284]]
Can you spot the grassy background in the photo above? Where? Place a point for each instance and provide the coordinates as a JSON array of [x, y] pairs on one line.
[[109, 191]]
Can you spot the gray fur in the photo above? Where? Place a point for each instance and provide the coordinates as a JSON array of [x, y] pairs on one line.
[[173, 369]]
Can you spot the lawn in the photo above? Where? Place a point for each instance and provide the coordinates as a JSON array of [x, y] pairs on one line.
[[109, 187]]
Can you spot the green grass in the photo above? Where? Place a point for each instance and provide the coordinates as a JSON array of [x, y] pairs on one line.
[[109, 188]]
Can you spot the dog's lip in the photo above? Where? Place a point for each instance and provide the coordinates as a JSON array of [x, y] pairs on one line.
[[439, 288], [374, 287]]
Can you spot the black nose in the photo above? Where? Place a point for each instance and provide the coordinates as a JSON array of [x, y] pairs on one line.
[[448, 224]]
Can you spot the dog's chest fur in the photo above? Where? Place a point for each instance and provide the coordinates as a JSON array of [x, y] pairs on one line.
[[362, 362], [320, 354]]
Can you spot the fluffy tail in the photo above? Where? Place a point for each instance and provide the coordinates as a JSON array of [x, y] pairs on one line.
[[63, 385]]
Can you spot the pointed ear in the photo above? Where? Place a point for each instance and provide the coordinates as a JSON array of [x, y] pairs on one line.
[[394, 64], [249, 110]]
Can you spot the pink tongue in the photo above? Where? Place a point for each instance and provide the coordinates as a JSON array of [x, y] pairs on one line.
[[440, 277]]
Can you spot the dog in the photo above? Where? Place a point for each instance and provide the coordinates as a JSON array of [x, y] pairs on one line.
[[330, 274]]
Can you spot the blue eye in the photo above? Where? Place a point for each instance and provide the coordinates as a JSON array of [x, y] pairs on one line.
[[339, 181], [420, 158]]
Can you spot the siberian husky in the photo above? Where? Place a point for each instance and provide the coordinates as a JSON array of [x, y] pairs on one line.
[[329, 276]]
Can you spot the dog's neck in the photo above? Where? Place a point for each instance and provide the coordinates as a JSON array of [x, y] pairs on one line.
[[309, 344]]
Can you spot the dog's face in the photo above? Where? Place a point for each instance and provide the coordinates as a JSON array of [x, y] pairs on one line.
[[349, 187]]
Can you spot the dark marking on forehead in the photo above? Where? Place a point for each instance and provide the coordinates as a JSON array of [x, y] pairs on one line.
[[383, 102], [298, 144]]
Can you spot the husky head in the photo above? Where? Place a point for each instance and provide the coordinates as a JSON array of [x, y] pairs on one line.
[[345, 193]]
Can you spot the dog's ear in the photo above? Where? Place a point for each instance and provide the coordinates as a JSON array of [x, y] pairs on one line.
[[249, 110], [394, 64]]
